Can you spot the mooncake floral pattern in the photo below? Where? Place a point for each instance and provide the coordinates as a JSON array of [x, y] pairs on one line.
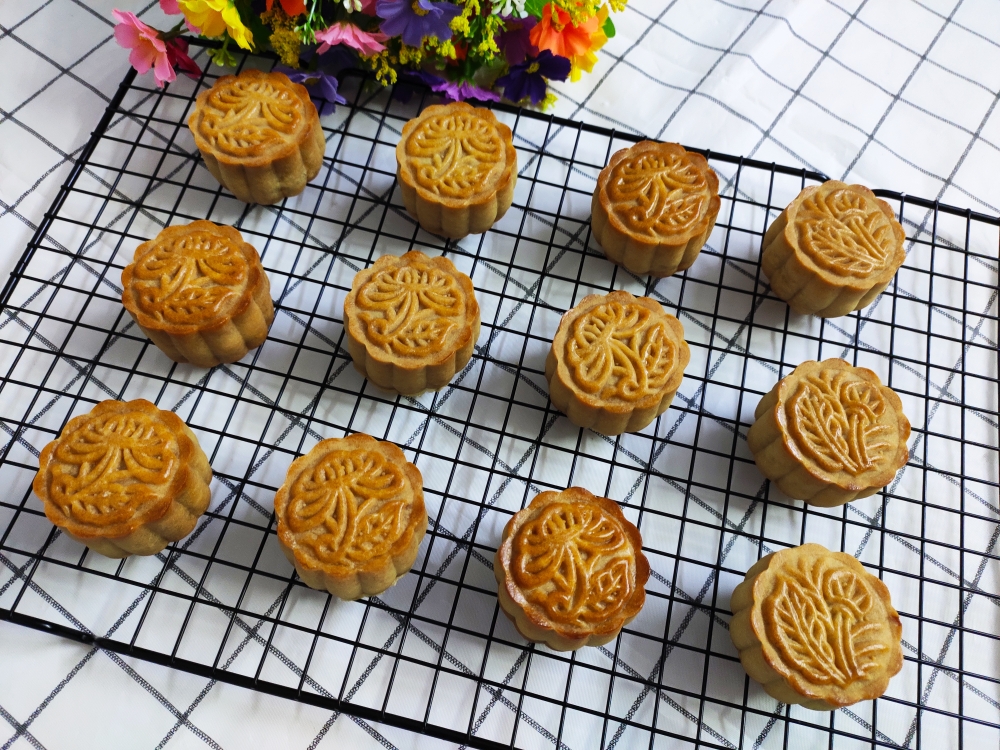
[[575, 562], [111, 467], [822, 619], [410, 310], [658, 193], [250, 114], [453, 154], [620, 351], [190, 279], [845, 231], [351, 508], [842, 422]]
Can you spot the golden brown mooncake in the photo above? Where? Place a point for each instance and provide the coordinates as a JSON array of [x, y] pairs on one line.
[[654, 208], [456, 167], [616, 362], [829, 433], [570, 570], [351, 516], [815, 628], [125, 479], [200, 293], [412, 322], [259, 135], [834, 249]]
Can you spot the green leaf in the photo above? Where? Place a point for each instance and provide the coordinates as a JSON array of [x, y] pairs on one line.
[[535, 7], [609, 28]]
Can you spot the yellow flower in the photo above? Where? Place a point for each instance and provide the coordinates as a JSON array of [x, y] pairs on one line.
[[288, 45], [215, 17], [285, 40], [410, 55], [381, 63]]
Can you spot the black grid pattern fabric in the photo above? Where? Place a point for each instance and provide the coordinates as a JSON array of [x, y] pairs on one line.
[[432, 653]]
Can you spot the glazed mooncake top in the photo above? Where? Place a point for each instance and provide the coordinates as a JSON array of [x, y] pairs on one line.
[[456, 154], [617, 349], [846, 232], [574, 564], [350, 505], [826, 625], [659, 193], [412, 310], [253, 118], [114, 469], [191, 278], [842, 424]]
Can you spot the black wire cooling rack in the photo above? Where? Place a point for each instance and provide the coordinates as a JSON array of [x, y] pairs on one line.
[[432, 654]]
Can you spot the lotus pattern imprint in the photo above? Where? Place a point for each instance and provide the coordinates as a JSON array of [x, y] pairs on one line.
[[822, 620], [349, 509], [190, 280], [246, 116], [658, 195], [453, 155], [845, 232], [620, 351], [110, 467], [842, 423], [410, 311], [575, 562]]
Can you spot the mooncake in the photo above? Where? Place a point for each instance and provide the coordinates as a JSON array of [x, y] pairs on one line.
[[351, 516], [259, 135], [570, 570], [412, 322], [616, 362], [816, 629], [200, 293], [456, 167], [829, 433], [834, 249], [654, 208], [125, 479]]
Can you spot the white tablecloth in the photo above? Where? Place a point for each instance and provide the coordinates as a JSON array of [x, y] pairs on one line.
[[896, 94]]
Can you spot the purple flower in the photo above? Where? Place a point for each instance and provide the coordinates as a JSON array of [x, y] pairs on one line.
[[455, 91], [515, 39], [322, 87], [528, 80], [415, 19]]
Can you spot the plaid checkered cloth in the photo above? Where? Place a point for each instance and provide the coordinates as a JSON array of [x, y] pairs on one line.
[[898, 95]]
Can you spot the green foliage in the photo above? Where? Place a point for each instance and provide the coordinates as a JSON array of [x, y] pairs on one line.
[[535, 7], [222, 56]]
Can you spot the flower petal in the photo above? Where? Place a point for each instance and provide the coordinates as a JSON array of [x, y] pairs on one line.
[[293, 7], [164, 71], [126, 36], [142, 58]]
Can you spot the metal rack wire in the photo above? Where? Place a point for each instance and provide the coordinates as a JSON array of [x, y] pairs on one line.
[[433, 654]]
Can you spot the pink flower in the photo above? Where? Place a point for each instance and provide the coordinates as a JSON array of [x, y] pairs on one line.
[[365, 42], [148, 50], [368, 6]]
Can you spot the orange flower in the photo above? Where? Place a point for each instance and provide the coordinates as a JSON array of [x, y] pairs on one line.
[[555, 33], [292, 8], [595, 27]]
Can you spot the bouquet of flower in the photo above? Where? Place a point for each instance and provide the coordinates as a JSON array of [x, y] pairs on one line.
[[462, 49]]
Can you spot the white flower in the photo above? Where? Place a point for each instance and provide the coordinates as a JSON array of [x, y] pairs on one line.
[[350, 5], [509, 8]]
